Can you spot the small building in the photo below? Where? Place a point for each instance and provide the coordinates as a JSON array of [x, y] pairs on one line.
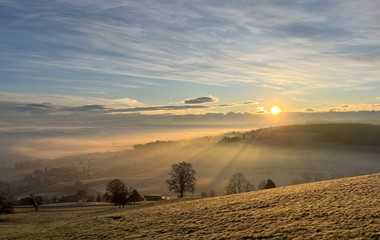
[[152, 197]]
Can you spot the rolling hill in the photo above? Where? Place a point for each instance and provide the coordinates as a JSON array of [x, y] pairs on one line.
[[287, 154], [341, 133], [347, 208]]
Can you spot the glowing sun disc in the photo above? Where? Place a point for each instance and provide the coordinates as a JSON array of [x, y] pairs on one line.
[[275, 110]]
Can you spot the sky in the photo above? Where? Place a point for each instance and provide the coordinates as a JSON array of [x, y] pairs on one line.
[[78, 76], [62, 57]]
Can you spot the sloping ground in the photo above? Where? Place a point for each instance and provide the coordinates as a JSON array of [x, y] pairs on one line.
[[344, 133], [338, 209]]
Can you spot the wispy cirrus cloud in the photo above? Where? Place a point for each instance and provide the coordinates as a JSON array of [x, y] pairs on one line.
[[191, 104], [158, 108], [290, 46]]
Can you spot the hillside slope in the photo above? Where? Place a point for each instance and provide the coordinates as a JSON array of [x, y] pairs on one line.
[[286, 154], [346, 208], [344, 133], [331, 134]]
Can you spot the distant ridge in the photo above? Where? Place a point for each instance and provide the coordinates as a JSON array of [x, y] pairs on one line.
[[345, 133]]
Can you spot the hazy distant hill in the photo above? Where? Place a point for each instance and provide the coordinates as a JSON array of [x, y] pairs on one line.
[[353, 134], [346, 133], [346, 208], [288, 155]]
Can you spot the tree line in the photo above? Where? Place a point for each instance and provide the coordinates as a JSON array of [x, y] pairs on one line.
[[181, 180]]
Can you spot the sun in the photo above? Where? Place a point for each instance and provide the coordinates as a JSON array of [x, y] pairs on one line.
[[275, 110]]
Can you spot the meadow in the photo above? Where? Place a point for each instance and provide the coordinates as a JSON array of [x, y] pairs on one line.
[[347, 208]]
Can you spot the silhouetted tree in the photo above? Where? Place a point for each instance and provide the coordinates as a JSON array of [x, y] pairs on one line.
[[238, 184], [36, 201], [118, 192], [5, 206], [212, 193], [135, 196], [182, 178], [269, 184]]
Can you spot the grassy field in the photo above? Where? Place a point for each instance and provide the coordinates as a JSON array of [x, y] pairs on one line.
[[346, 208]]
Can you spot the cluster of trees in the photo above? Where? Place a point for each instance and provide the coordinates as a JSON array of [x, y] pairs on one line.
[[49, 176], [5, 206], [42, 177], [230, 139], [119, 194], [6, 191], [37, 163], [182, 179], [239, 184], [155, 144]]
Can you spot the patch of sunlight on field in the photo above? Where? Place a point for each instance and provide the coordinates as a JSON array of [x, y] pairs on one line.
[[346, 208]]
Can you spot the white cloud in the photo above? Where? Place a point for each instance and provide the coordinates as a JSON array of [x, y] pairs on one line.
[[67, 101], [201, 100]]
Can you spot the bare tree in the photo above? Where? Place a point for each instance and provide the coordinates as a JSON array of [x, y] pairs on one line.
[[182, 178], [36, 201], [238, 184], [118, 191]]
